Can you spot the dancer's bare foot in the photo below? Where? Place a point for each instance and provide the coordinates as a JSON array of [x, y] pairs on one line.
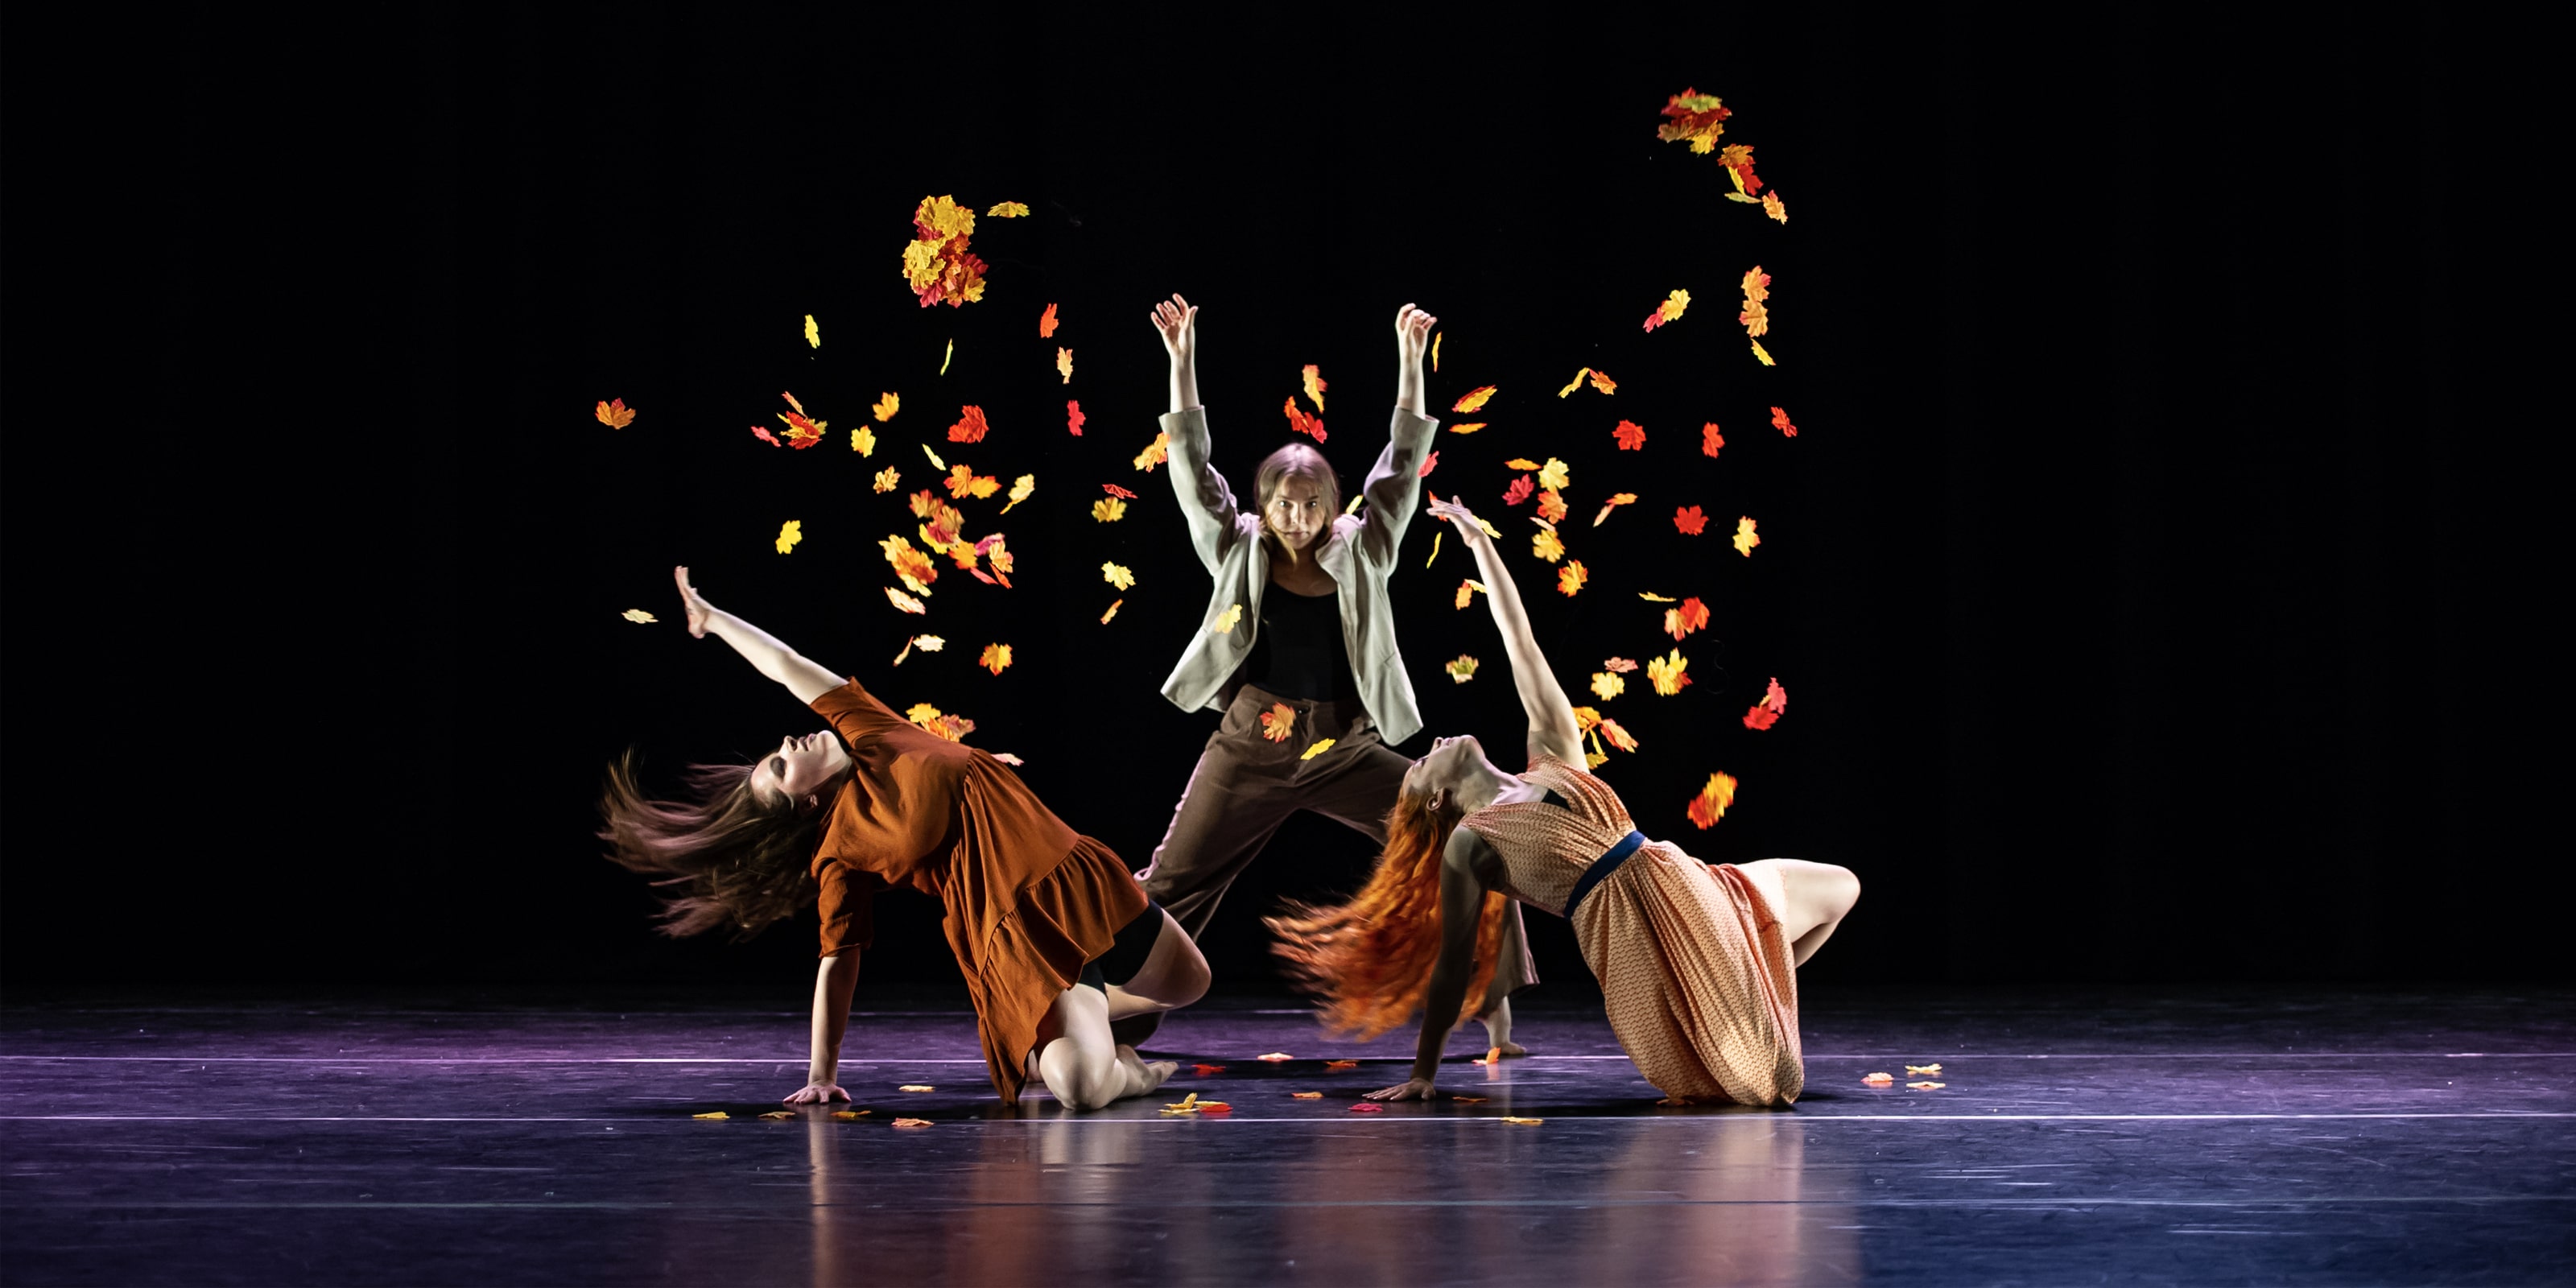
[[1143, 1076]]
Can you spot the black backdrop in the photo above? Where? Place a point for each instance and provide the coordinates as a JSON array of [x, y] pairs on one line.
[[2131, 579]]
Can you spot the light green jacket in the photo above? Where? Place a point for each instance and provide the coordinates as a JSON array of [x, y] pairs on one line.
[[1359, 552]]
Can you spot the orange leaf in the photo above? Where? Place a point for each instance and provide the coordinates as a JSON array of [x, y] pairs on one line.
[[997, 657], [1570, 578], [615, 414], [1305, 1095], [1780, 421], [1520, 463], [1046, 323], [1215, 1107], [1279, 722], [764, 435], [1670, 673], [903, 601], [1474, 399], [1368, 1107], [1925, 1086], [1073, 416], [1710, 440], [1117, 491], [1518, 491], [1690, 520], [1710, 805], [1576, 383], [1619, 738], [886, 406], [1341, 1064], [1435, 353], [909, 1123], [1300, 422], [1601, 380], [912, 566], [1155, 453], [1467, 427], [1697, 119], [1467, 590], [1745, 537], [1551, 505], [1757, 285], [851, 1115], [1315, 385], [1879, 1079], [1771, 206], [779, 1115], [963, 482], [1113, 611], [1469, 1100], [1616, 500], [1631, 436], [1775, 704], [970, 426], [1760, 717], [1108, 509]]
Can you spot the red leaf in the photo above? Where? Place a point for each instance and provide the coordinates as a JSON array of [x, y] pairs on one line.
[[1691, 616], [1302, 423], [765, 436], [1631, 436], [1760, 717], [1690, 520], [1710, 440], [1073, 416], [1780, 421], [1368, 1107], [970, 427], [1519, 491], [1115, 490], [1428, 462]]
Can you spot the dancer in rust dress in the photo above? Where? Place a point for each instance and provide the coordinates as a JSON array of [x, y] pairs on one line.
[[1697, 962], [1054, 937]]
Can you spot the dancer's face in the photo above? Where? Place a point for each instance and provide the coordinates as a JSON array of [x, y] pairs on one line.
[[1296, 512], [801, 766], [1447, 766]]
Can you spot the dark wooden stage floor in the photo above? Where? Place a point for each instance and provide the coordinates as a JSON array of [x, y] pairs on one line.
[[2238, 1136]]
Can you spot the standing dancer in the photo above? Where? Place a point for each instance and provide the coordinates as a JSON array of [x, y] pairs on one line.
[[1297, 647], [1697, 962], [1054, 937]]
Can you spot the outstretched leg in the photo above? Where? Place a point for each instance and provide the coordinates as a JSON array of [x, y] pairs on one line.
[[1812, 899], [1079, 1062]]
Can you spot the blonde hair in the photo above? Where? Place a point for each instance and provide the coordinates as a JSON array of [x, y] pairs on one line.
[[1369, 960]]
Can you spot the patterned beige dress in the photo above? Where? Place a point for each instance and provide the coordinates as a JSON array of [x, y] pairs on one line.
[[1699, 981]]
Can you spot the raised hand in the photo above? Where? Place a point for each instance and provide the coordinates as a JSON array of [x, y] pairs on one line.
[[1410, 1089], [1178, 321], [1412, 334], [692, 603], [1470, 528]]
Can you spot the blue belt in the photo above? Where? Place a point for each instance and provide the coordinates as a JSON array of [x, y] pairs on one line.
[[1601, 868]]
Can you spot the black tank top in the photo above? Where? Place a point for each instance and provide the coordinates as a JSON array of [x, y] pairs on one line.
[[1299, 652]]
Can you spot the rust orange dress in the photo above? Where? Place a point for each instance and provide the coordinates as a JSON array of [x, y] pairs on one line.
[[1028, 900], [1699, 981]]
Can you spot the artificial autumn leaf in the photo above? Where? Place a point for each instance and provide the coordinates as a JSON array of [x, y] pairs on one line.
[[911, 1123], [1631, 436], [1113, 611], [1619, 738], [779, 1115], [886, 406], [1468, 590], [1218, 1107], [1046, 323], [1606, 686], [1554, 475], [1879, 1079], [1576, 383], [1917, 1070], [1117, 575], [1470, 1100], [1546, 546], [1745, 537], [1321, 746], [1204, 1070], [1925, 1086], [1474, 400], [946, 354], [1780, 421], [1551, 505], [1616, 500], [1462, 668], [1493, 1055], [905, 602], [1690, 520], [996, 658], [1691, 616], [1368, 1107], [851, 1115], [789, 533], [970, 427], [1156, 453], [1315, 385], [1429, 463], [1763, 714], [1435, 545], [1585, 718], [1669, 310], [1225, 621], [1279, 722], [1763, 355], [1073, 416], [887, 480], [1109, 509], [1518, 491], [1757, 285], [1710, 439], [1467, 427], [1756, 319], [1064, 363], [1595, 758], [762, 433], [1696, 118], [937, 265], [911, 566], [1771, 206], [1008, 210], [1601, 380], [802, 431], [1520, 463], [1341, 1064], [1738, 159], [813, 333], [1710, 805], [964, 482], [1435, 353], [953, 728], [1300, 422], [1021, 489], [1741, 198], [935, 462], [1275, 1057], [638, 616], [717, 1116], [1117, 491], [1523, 1122], [615, 414], [1570, 578], [1305, 1095], [1671, 673], [863, 441], [1653, 598]]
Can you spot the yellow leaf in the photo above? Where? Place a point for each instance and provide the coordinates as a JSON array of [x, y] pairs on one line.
[[1545, 545], [1435, 547], [1586, 717], [1469, 589], [1468, 428], [789, 533], [717, 1116], [1435, 352], [1113, 611], [1473, 399], [1763, 354], [1606, 686], [1653, 598], [903, 601], [1155, 453], [1117, 575], [615, 414], [1108, 509], [1064, 363], [863, 441], [813, 333], [1520, 463], [916, 1086], [1525, 1122], [1570, 578], [950, 353], [638, 616], [1879, 1079], [1321, 746], [935, 462], [1306, 1095], [1189, 1104], [886, 406], [1462, 669], [1669, 673], [1354, 506], [1315, 385], [1745, 537], [888, 480], [1008, 210], [1021, 489], [1576, 383], [996, 659], [1226, 620], [1919, 1069], [1279, 722], [909, 1123], [1616, 500], [1554, 476], [851, 1115]]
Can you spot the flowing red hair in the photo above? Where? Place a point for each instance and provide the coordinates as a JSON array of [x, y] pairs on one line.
[[1370, 959]]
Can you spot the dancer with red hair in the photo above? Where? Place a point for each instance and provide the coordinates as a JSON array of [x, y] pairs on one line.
[[1697, 962]]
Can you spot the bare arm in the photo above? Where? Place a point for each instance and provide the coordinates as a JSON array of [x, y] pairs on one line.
[[834, 981], [1551, 715], [1412, 338], [1394, 487], [1178, 321], [758, 647], [1462, 900]]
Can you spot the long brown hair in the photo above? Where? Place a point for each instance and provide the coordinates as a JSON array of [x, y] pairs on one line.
[[1295, 460], [737, 858], [1370, 959]]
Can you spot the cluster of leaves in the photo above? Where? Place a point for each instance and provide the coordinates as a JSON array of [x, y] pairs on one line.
[[937, 264]]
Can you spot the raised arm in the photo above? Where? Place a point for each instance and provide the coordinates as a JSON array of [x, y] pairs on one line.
[[1207, 504], [1394, 487], [1552, 728], [1462, 903], [758, 647]]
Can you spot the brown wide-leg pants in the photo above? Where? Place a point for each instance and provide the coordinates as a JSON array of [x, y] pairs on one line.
[[1247, 784]]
